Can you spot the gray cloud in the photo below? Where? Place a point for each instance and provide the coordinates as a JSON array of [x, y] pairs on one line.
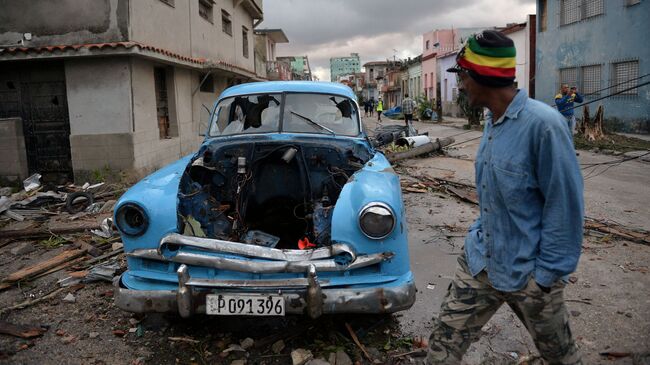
[[373, 28]]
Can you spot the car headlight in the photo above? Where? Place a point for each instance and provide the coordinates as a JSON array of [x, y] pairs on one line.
[[376, 220], [131, 219]]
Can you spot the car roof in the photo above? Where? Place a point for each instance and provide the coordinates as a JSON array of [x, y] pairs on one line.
[[289, 86]]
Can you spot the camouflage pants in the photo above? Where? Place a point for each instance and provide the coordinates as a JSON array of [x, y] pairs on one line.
[[471, 301]]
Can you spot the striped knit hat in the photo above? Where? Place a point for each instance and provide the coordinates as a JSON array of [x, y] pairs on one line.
[[489, 58]]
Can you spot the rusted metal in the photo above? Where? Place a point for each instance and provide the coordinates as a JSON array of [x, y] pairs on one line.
[[314, 294]]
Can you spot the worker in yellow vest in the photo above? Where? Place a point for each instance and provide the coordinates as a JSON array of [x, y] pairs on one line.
[[380, 108]]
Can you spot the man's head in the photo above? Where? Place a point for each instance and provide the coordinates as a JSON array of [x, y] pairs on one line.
[[564, 89], [484, 64], [406, 95]]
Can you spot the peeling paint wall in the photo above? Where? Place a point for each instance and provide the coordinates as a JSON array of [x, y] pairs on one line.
[[617, 35]]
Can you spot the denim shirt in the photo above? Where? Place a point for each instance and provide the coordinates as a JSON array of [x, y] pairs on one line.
[[530, 196]]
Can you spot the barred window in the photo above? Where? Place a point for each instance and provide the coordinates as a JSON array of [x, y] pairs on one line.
[[592, 8], [568, 76], [572, 11], [591, 80], [625, 75], [569, 11]]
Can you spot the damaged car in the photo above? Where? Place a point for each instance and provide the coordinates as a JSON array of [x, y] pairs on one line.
[[286, 208]]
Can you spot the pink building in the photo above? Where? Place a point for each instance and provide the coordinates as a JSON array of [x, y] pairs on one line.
[[436, 42]]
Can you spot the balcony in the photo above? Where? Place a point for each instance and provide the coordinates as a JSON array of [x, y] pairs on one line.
[[278, 70]]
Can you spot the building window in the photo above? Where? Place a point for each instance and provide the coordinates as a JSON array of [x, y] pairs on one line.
[[572, 11], [169, 2], [205, 9], [568, 76], [208, 84], [427, 45], [244, 34], [591, 80], [226, 23], [624, 76]]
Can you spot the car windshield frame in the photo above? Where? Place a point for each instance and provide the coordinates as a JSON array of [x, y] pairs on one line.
[[214, 131]]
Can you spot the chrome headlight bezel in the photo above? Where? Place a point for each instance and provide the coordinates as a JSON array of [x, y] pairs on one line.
[[367, 209], [131, 219]]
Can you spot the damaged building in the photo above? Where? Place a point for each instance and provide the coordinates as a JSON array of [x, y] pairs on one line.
[[121, 84]]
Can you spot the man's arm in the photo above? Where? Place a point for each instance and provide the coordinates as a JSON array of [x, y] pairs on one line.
[[578, 98], [561, 101], [560, 182]]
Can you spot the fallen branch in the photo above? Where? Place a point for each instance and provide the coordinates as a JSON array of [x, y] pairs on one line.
[[31, 233], [425, 148], [21, 330], [31, 302], [356, 341], [183, 339]]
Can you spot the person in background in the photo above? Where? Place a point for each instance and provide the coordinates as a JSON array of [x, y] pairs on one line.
[[372, 105], [380, 108], [408, 106], [564, 102], [528, 236], [366, 107]]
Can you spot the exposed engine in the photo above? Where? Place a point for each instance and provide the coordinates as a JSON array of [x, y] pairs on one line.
[[274, 194]]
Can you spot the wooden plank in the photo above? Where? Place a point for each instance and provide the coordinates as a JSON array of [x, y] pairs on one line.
[[43, 266]]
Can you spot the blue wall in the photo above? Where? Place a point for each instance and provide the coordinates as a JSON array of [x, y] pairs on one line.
[[622, 33]]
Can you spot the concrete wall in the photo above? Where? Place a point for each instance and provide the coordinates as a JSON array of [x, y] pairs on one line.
[[617, 35], [522, 43], [54, 22], [150, 151], [13, 156], [101, 118]]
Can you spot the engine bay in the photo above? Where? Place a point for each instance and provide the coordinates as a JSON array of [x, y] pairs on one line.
[[272, 193]]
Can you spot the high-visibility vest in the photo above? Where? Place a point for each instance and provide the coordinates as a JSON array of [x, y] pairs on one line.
[[380, 106]]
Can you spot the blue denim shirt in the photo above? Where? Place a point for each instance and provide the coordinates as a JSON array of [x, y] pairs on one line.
[[530, 195]]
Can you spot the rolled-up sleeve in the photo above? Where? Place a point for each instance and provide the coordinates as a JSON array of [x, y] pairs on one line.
[[561, 185]]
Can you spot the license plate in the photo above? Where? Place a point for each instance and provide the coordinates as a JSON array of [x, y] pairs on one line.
[[244, 305]]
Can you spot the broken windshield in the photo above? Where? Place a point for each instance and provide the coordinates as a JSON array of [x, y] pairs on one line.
[[303, 113], [246, 114]]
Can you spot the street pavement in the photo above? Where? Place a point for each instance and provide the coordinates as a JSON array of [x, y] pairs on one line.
[[615, 316]]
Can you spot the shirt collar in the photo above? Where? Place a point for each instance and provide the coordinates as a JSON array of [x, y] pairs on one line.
[[516, 105]]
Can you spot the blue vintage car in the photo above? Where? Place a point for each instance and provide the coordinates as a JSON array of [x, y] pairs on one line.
[[285, 208]]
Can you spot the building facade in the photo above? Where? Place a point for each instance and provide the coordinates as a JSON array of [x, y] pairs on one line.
[[374, 78], [266, 65], [414, 69], [123, 84], [523, 36], [448, 85], [344, 66], [600, 47]]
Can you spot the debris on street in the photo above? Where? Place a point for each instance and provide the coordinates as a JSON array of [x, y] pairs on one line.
[[21, 331]]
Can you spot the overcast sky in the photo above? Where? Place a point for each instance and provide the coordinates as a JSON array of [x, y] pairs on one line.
[[377, 29]]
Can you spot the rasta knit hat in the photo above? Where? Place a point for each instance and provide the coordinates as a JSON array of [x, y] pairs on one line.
[[489, 58]]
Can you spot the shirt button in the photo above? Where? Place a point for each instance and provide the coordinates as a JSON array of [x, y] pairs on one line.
[[488, 256], [487, 235], [490, 137], [483, 186], [485, 209], [484, 162]]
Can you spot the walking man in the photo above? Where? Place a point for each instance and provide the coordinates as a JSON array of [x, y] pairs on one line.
[[528, 236], [408, 106], [380, 108], [564, 102]]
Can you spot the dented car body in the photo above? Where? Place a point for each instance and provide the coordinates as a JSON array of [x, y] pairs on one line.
[[285, 208]]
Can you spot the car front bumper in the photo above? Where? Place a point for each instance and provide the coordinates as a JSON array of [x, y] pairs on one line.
[[304, 298]]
